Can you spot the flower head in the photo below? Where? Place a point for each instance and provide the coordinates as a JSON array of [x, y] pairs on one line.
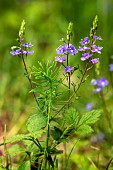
[[96, 49], [111, 67], [68, 69], [60, 59], [18, 52], [61, 49], [27, 45], [71, 49], [15, 52], [89, 106], [94, 60], [97, 37], [85, 56], [100, 83], [83, 48], [85, 41]]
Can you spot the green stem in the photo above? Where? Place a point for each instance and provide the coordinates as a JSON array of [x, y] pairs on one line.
[[47, 135], [105, 110], [25, 67]]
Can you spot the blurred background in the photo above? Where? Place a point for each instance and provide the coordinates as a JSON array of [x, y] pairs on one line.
[[46, 23]]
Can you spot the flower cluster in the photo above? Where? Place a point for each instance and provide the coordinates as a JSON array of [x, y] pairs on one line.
[[19, 51], [90, 49], [111, 67], [63, 51], [100, 83]]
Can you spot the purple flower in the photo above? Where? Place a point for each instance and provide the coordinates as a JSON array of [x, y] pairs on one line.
[[96, 49], [27, 45], [83, 48], [94, 60], [111, 67], [99, 137], [60, 59], [97, 37], [16, 52], [61, 49], [85, 56], [85, 41], [89, 106], [71, 49], [68, 69], [100, 83]]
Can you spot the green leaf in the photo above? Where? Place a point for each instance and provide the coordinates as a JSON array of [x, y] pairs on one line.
[[72, 116], [15, 150], [56, 133], [87, 119], [36, 122], [21, 137], [90, 117], [25, 166], [84, 129]]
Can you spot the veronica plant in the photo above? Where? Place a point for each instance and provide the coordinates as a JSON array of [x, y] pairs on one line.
[[53, 122]]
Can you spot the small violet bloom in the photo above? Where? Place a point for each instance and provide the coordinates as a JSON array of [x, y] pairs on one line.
[[60, 59], [85, 56], [83, 48], [15, 52], [89, 106], [71, 49], [96, 49], [94, 60], [18, 52], [68, 69], [100, 83], [65, 49], [27, 45], [111, 67], [85, 41], [61, 49], [97, 37]]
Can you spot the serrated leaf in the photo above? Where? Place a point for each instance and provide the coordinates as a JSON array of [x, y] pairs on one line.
[[84, 129], [90, 117], [36, 122], [21, 137], [15, 150], [72, 116]]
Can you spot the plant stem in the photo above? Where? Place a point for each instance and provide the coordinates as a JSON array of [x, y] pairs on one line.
[[47, 135], [105, 110], [25, 67]]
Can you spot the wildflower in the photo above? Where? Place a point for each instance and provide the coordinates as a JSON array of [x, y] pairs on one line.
[[83, 48], [89, 106], [15, 52], [85, 56], [61, 49], [60, 59], [100, 83], [68, 69], [85, 41], [96, 49], [18, 52], [94, 60], [27, 45], [97, 37], [99, 137], [66, 49], [111, 67], [71, 49]]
